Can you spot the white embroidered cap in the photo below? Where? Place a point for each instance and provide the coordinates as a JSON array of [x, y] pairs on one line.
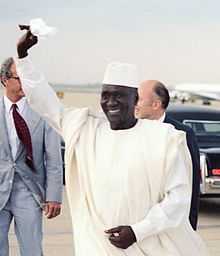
[[123, 74]]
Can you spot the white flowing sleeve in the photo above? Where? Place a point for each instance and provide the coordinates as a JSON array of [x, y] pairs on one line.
[[41, 97], [174, 208]]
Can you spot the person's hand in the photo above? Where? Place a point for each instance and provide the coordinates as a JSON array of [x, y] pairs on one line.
[[27, 41], [52, 209], [122, 236]]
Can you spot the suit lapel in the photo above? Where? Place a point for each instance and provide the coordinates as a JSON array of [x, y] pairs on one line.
[[4, 131], [32, 119], [166, 120]]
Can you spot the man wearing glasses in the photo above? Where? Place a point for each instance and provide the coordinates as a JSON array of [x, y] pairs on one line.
[[30, 167]]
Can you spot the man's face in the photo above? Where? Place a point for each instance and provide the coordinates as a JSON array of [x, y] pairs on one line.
[[147, 105], [13, 85], [118, 103]]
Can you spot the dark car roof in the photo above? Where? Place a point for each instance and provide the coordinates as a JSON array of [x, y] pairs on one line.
[[193, 112]]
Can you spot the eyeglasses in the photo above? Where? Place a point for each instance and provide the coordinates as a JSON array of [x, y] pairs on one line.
[[15, 77]]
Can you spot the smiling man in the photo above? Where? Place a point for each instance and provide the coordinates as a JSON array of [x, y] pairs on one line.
[[117, 103], [117, 205]]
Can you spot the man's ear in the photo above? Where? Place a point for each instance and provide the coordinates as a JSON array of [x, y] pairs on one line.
[[157, 104]]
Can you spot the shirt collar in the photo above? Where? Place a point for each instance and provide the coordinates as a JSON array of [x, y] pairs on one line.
[[21, 104], [162, 118]]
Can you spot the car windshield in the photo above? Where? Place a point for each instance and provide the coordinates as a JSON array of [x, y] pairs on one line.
[[204, 127]]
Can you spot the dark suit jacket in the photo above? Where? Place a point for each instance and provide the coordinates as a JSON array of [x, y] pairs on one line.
[[194, 151]]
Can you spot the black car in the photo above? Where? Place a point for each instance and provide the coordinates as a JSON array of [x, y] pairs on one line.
[[205, 121]]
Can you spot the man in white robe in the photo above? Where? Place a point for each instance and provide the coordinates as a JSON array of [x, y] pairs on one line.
[[128, 182]]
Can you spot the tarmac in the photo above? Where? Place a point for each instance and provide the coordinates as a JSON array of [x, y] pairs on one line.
[[57, 235], [58, 232]]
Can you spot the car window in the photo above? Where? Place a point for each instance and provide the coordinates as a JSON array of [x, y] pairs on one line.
[[211, 127]]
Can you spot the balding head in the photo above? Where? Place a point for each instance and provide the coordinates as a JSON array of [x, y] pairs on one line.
[[153, 100]]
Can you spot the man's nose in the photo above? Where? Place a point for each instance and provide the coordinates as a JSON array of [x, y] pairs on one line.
[[112, 101]]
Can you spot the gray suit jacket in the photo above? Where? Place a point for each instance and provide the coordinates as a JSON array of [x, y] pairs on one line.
[[46, 182]]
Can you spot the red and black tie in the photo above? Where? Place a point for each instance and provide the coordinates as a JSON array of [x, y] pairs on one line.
[[23, 134]]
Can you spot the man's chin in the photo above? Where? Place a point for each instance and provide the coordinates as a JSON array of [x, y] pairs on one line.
[[138, 115], [114, 118], [22, 94], [114, 122]]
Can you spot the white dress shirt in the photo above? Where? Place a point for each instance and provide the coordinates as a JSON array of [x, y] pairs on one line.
[[162, 118], [167, 214], [12, 134]]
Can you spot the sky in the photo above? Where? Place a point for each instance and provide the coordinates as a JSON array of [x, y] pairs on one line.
[[173, 41]]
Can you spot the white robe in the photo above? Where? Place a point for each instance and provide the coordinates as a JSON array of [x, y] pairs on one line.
[[132, 182], [121, 178]]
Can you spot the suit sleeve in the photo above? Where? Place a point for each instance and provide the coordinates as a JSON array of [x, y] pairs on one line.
[[54, 168], [194, 152]]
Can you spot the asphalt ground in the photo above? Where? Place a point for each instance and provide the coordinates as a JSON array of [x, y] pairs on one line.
[[58, 231]]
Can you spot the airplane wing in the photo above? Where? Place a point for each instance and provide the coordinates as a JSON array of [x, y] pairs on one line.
[[207, 91]]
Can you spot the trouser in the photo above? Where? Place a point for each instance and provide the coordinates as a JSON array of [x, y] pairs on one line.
[[27, 216]]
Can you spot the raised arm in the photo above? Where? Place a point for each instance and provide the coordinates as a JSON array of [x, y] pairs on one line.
[[40, 95]]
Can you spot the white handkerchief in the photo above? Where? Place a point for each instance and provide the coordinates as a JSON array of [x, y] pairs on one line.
[[39, 28]]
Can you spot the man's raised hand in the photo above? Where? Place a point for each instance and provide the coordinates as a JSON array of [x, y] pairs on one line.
[[27, 41]]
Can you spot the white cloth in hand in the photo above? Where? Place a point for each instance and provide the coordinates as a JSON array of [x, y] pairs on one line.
[[39, 28]]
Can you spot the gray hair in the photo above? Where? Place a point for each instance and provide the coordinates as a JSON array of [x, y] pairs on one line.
[[5, 70]]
